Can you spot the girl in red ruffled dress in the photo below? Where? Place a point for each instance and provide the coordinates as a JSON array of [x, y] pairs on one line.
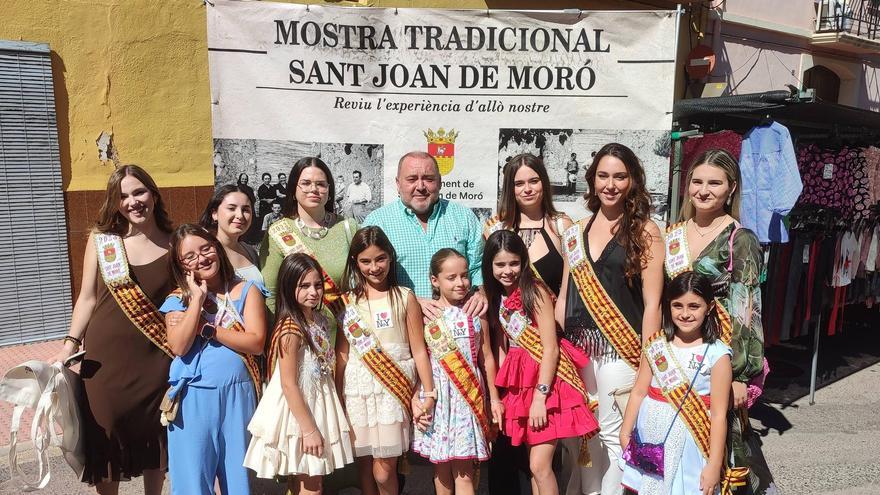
[[543, 395]]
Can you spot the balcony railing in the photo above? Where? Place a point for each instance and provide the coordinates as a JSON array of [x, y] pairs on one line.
[[855, 17]]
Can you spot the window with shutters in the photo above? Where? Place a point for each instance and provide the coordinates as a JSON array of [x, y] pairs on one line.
[[35, 292]]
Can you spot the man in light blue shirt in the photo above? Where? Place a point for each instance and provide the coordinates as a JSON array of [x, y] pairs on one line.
[[419, 224]]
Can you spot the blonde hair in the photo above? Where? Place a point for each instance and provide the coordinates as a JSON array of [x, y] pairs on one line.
[[725, 161]]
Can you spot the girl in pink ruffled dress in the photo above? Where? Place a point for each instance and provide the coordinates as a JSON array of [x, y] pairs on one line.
[[543, 395]]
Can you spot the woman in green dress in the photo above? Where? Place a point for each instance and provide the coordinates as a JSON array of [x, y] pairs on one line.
[[709, 240], [308, 225]]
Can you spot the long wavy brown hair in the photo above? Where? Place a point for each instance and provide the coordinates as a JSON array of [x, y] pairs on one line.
[[110, 220], [632, 236], [508, 208]]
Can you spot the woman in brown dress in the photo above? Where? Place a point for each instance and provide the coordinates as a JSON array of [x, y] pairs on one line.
[[125, 370]]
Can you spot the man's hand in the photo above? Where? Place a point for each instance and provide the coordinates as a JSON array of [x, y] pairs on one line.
[[431, 309], [477, 304]]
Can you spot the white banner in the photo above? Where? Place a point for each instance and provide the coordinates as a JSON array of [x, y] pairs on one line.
[[360, 87]]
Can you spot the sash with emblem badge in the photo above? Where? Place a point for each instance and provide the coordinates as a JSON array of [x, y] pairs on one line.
[[317, 332], [678, 260], [441, 343], [368, 349], [519, 330], [137, 307], [608, 317], [283, 233]]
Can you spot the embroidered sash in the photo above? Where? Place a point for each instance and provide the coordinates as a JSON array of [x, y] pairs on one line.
[[674, 385], [364, 342], [519, 330], [229, 319], [678, 260], [608, 317], [441, 342], [134, 303], [283, 233], [326, 354], [492, 225]]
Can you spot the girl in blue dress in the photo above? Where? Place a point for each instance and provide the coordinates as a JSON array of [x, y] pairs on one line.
[[671, 450], [216, 327]]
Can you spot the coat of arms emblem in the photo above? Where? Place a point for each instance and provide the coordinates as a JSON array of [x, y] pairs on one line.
[[109, 253], [441, 145], [661, 363]]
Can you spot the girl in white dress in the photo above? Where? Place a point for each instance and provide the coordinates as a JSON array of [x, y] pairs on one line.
[[458, 434], [675, 450], [300, 428], [380, 349]]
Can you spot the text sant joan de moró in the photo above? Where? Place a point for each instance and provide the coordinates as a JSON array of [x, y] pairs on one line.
[[312, 34]]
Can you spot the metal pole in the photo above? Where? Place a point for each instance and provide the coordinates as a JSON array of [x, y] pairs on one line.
[[677, 148], [675, 186], [814, 369]]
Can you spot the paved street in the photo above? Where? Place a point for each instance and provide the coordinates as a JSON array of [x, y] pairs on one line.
[[827, 448]]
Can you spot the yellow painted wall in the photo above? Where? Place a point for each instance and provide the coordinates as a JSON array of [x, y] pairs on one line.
[[139, 69]]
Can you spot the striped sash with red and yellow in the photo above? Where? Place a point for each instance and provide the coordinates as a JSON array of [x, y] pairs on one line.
[[519, 330], [230, 320], [283, 233], [134, 303], [608, 317], [369, 350], [315, 337], [282, 328], [526, 336], [678, 260], [674, 384], [441, 343]]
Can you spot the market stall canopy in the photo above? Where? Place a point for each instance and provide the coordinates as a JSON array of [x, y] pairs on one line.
[[791, 108]]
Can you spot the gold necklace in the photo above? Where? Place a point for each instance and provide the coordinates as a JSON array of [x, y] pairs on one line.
[[711, 229]]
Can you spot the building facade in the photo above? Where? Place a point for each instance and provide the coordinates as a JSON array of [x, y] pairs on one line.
[[831, 46]]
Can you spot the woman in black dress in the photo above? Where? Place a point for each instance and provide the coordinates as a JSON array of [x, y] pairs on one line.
[[624, 250]]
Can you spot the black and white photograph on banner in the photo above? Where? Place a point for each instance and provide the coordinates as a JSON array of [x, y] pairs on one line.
[[263, 165], [483, 214], [568, 153]]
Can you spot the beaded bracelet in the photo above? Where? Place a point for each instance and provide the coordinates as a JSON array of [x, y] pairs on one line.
[[77, 342]]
